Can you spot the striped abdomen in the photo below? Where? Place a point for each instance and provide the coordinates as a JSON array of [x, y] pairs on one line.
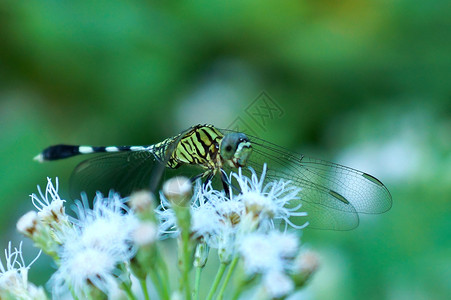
[[64, 151], [199, 145]]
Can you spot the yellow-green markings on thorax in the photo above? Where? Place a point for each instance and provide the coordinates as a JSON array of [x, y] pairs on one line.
[[200, 146]]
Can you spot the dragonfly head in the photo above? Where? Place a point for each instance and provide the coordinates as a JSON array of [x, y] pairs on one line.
[[235, 149]]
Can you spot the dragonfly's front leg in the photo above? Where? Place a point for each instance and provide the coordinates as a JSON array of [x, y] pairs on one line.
[[227, 184], [194, 178], [208, 174]]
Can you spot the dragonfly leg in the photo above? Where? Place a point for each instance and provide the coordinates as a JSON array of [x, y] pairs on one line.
[[207, 174], [209, 178], [194, 178], [227, 184]]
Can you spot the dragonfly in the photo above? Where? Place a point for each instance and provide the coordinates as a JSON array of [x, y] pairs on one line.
[[334, 196]]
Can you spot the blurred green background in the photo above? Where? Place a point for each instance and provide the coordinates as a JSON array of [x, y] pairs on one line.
[[362, 83]]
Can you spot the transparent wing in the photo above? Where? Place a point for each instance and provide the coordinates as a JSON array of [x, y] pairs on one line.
[[333, 195], [124, 172]]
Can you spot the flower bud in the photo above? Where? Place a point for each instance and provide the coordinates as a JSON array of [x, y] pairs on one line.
[[142, 201], [41, 234], [178, 190], [306, 264], [201, 255], [144, 237], [277, 284], [145, 234], [28, 224]]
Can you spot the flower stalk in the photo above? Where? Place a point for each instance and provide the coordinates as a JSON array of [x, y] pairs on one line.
[[217, 280], [227, 278], [178, 191]]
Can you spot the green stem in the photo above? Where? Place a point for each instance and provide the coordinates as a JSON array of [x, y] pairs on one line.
[[243, 282], [144, 289], [128, 290], [185, 264], [165, 287], [197, 283], [228, 276], [163, 268], [239, 289], [217, 280], [184, 221], [71, 289], [237, 293], [158, 284]]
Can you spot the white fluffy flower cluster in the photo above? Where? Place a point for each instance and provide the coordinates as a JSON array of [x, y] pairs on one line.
[[101, 247], [97, 243], [88, 248], [244, 224], [271, 255], [50, 207], [14, 277], [221, 220]]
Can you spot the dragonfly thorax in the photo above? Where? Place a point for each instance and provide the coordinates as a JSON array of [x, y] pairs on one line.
[[198, 146]]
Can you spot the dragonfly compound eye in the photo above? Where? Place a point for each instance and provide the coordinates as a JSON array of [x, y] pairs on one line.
[[235, 148], [228, 145]]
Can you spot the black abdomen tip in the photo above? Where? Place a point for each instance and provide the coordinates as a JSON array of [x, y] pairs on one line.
[[59, 152]]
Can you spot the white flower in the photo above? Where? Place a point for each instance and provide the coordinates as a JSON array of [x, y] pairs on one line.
[[81, 269], [167, 226], [221, 220], [259, 254], [51, 221], [41, 234], [50, 207], [101, 238], [230, 212], [215, 218], [108, 226], [14, 277], [277, 284], [226, 242], [287, 243], [204, 219], [263, 253], [46, 227], [269, 202]]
